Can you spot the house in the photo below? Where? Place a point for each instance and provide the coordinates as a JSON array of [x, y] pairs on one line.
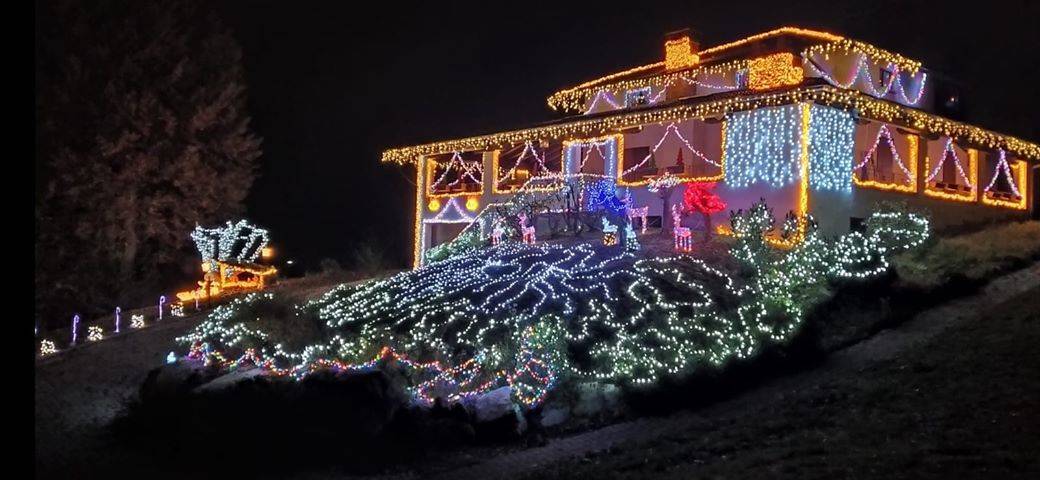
[[810, 121]]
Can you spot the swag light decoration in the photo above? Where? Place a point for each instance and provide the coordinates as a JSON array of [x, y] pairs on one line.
[[671, 129], [606, 302], [861, 71], [867, 107], [953, 191], [909, 173], [1017, 200]]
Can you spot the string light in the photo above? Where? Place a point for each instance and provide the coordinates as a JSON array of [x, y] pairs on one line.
[[678, 53], [867, 106], [671, 129], [177, 309], [523, 293], [831, 149], [47, 347], [909, 185], [136, 321], [774, 71], [862, 70], [761, 146], [94, 333], [970, 179], [75, 328], [1019, 201]]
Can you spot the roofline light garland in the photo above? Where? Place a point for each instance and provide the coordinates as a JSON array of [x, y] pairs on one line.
[[866, 105]]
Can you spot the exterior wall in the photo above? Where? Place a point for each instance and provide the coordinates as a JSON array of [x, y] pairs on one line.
[[833, 210], [836, 210]]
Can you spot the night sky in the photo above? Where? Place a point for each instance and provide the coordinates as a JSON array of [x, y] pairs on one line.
[[332, 85]]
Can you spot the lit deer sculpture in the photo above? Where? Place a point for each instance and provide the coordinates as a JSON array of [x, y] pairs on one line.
[[528, 232], [682, 234], [641, 213], [496, 233]]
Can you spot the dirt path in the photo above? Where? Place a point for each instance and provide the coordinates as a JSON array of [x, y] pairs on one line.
[[84, 388], [886, 345]]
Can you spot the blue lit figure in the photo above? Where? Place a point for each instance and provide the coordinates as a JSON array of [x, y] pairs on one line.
[[171, 358]]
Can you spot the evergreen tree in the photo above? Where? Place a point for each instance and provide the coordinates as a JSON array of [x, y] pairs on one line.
[[141, 133]]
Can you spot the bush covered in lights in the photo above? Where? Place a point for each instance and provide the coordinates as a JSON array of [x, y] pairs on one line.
[[531, 316]]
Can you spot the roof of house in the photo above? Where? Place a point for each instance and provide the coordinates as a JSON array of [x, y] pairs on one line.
[[730, 55], [718, 58]]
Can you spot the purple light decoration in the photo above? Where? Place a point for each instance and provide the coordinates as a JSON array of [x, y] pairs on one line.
[[75, 327], [162, 300], [117, 318]]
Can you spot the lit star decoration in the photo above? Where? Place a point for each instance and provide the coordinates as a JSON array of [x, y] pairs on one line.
[[47, 347], [637, 319], [94, 333]]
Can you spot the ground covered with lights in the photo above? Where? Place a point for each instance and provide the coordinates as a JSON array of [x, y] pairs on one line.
[[528, 317], [356, 418]]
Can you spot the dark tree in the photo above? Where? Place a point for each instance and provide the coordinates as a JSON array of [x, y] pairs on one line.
[[141, 132]]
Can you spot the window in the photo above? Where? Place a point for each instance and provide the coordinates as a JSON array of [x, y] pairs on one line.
[[634, 156], [1007, 182], [517, 164], [951, 172], [886, 79], [637, 97], [454, 174], [889, 162]]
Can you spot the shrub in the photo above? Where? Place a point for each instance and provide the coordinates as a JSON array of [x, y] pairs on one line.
[[974, 256]]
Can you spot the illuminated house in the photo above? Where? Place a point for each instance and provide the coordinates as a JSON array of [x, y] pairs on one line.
[[808, 120]]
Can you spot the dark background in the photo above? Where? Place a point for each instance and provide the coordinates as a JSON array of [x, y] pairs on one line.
[[332, 84]]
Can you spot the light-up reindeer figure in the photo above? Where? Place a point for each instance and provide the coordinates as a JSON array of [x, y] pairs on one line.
[[683, 237], [496, 232], [528, 232]]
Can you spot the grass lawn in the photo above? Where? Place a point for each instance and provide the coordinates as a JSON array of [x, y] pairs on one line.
[[967, 405]]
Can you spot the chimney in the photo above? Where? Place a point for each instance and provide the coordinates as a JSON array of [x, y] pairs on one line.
[[680, 49]]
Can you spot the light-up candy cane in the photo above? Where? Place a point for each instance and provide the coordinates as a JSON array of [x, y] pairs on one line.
[[75, 327], [162, 300], [196, 295], [117, 318]]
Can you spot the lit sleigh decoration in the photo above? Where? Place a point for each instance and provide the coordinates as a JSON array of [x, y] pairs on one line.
[[229, 255]]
